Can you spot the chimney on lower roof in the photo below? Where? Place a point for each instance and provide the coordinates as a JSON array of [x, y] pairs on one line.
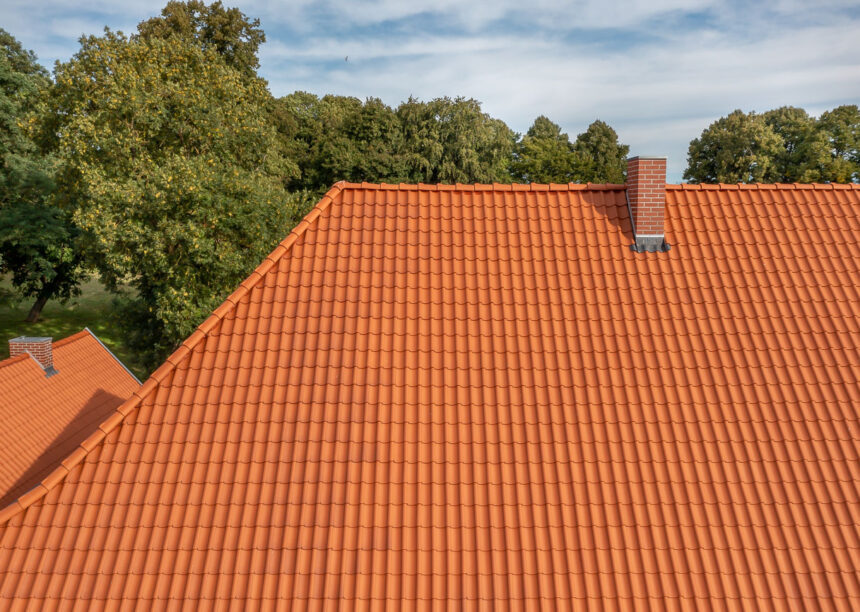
[[40, 349], [646, 198]]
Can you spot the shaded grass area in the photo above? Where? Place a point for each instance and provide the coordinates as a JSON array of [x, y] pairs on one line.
[[93, 309]]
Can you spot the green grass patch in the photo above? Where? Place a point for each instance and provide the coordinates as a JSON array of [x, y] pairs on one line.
[[93, 309]]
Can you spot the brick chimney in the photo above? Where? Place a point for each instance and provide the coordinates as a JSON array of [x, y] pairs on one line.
[[646, 197], [40, 349]]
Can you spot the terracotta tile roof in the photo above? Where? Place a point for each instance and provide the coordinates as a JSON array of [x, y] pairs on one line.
[[478, 396], [45, 419]]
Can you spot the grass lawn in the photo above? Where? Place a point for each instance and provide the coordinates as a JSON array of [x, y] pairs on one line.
[[91, 309]]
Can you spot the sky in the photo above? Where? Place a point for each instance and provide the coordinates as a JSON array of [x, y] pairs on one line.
[[658, 71]]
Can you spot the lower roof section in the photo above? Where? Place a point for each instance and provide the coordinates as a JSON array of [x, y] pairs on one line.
[[43, 419]]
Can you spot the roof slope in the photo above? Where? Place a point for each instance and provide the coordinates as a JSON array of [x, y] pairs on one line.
[[479, 396], [45, 419]]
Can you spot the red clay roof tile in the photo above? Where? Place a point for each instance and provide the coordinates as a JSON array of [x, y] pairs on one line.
[[477, 396]]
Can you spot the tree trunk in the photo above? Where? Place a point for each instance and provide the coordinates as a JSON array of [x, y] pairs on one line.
[[36, 310]]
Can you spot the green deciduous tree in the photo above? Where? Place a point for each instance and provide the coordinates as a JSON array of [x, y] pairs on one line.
[[171, 167], [452, 141], [341, 138], [841, 129], [600, 157], [235, 37], [37, 241], [805, 156], [739, 148], [544, 155]]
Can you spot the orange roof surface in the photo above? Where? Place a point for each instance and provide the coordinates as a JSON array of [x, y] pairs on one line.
[[45, 419], [469, 397]]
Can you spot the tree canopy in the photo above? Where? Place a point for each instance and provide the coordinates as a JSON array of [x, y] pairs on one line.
[[841, 128], [805, 155], [37, 241], [235, 37], [168, 163], [739, 148], [783, 145], [602, 158], [544, 155], [441, 141], [341, 138], [452, 141]]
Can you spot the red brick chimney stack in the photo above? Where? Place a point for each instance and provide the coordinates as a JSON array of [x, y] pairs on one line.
[[646, 195], [40, 349]]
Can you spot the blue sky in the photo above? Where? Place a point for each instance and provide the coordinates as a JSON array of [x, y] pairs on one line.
[[658, 71]]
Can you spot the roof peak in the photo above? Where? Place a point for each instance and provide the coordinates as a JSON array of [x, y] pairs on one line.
[[764, 186], [483, 186]]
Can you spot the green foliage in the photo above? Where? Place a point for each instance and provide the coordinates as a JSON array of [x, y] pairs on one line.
[[36, 240], [171, 167], [601, 158], [544, 155], [227, 31], [22, 82], [841, 129], [38, 245], [340, 138], [452, 141], [21, 61], [783, 145], [739, 148], [805, 155]]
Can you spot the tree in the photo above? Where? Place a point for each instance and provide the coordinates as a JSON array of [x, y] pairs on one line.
[[37, 241], [805, 155], [341, 138], [841, 129], [601, 158], [228, 31], [22, 81], [39, 248], [452, 141], [169, 164], [739, 148], [544, 155]]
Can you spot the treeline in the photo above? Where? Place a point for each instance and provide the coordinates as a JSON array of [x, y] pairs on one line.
[[160, 161], [784, 145], [441, 141]]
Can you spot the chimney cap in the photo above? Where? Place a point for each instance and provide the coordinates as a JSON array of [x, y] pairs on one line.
[[31, 339], [647, 157]]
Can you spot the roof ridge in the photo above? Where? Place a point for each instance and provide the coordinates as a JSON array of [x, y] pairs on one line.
[[10, 360], [58, 475], [58, 343], [761, 186], [110, 352], [72, 338], [484, 186]]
